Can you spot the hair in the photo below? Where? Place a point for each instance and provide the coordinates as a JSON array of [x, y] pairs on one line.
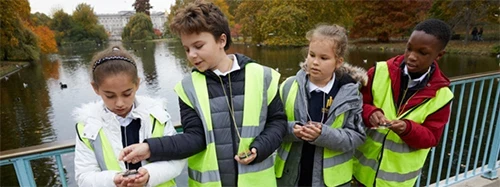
[[436, 28], [333, 33], [113, 61], [200, 17]]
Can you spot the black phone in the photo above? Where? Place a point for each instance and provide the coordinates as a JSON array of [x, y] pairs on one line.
[[130, 173]]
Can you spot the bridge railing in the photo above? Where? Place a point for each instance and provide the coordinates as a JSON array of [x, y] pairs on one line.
[[469, 146]]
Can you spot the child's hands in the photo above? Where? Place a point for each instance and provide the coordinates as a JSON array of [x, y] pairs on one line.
[[377, 118], [141, 179], [121, 181], [398, 126], [296, 130], [311, 131], [247, 160]]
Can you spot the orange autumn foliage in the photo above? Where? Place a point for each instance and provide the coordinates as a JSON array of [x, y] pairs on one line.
[[47, 39]]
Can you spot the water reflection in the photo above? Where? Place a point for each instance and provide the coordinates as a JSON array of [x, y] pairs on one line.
[[41, 111]]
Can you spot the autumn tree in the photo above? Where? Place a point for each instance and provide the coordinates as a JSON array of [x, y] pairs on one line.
[[465, 13], [17, 42], [47, 41], [142, 6], [40, 19], [85, 25], [139, 28], [384, 19]]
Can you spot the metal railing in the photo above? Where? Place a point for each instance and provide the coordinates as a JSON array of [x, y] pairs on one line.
[[446, 164]]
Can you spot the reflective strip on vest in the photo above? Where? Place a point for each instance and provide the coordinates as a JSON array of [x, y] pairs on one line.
[[385, 159], [104, 152], [337, 166], [260, 90]]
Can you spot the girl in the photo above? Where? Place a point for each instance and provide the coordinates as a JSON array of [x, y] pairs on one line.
[[119, 120], [323, 107]]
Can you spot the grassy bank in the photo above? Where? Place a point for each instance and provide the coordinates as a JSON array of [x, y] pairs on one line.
[[8, 67], [483, 48]]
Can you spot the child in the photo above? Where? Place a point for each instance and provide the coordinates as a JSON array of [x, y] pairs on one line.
[[323, 106], [407, 104], [119, 120], [231, 112]]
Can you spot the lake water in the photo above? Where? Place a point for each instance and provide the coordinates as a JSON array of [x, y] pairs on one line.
[[35, 110]]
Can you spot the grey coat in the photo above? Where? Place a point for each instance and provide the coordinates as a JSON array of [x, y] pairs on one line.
[[349, 101]]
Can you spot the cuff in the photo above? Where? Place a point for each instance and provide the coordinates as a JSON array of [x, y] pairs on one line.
[[153, 144]]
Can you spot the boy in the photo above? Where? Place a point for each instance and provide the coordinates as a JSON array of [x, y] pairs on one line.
[[231, 112], [406, 105]]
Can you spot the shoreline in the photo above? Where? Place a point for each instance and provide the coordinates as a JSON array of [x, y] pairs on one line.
[[8, 68]]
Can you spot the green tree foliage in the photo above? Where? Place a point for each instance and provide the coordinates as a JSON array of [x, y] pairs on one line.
[[17, 41], [380, 19], [61, 24], [466, 13], [85, 25], [39, 19], [142, 6], [139, 28]]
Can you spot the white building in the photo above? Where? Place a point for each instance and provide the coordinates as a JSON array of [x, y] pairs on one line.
[[114, 23]]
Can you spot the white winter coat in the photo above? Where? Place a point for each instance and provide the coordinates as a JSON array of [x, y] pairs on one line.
[[94, 117]]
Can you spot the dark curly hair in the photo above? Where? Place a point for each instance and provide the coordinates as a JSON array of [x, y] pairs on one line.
[[437, 28]]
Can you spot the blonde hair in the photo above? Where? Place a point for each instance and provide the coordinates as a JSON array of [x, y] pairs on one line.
[[334, 33]]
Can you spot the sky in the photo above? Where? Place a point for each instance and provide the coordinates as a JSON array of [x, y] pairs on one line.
[[100, 6]]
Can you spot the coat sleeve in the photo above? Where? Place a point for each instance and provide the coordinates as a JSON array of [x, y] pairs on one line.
[[347, 138], [87, 170], [368, 107], [290, 136], [180, 146], [427, 134], [163, 171], [274, 131]]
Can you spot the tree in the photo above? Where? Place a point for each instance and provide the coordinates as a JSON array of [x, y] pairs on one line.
[[61, 24], [85, 25], [225, 10], [383, 20], [465, 13], [40, 19], [142, 6], [138, 28], [17, 42], [47, 39]]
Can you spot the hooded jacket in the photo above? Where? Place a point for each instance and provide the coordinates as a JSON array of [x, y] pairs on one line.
[[416, 135], [193, 141], [345, 139], [95, 118]]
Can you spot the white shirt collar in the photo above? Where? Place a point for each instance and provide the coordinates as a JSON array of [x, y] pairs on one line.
[[234, 67], [326, 89], [124, 121], [414, 82]]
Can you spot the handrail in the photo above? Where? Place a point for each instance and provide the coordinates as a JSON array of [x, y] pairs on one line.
[[43, 148], [473, 76]]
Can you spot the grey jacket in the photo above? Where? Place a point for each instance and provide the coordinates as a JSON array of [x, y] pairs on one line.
[[349, 101]]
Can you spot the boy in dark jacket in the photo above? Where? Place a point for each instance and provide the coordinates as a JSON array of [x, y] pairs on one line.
[[406, 105], [231, 112]]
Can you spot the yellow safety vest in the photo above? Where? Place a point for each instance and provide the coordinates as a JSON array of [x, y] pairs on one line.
[[104, 152], [261, 86], [385, 159], [337, 166]]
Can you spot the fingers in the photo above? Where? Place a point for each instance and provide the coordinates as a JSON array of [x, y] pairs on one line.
[[378, 118], [398, 126], [142, 178], [126, 154], [311, 132], [248, 159]]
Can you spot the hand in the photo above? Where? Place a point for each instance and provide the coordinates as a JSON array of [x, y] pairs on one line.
[[377, 118], [141, 179], [311, 131], [135, 153], [296, 130], [398, 126], [121, 181], [247, 160]]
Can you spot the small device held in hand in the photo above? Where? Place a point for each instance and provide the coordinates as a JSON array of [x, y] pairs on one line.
[[382, 126], [244, 155], [130, 173]]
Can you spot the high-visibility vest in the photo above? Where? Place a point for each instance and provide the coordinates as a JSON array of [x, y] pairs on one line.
[[385, 159], [337, 166], [261, 86], [104, 152]]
